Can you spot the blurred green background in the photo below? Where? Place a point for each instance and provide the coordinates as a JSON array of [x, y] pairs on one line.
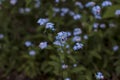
[[100, 53]]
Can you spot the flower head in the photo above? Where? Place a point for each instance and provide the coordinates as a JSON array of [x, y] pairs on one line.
[[90, 4], [77, 31], [99, 75], [78, 46], [117, 12], [76, 39], [49, 25], [106, 3], [76, 16], [42, 21], [43, 45], [28, 43], [32, 52], [115, 48], [1, 36]]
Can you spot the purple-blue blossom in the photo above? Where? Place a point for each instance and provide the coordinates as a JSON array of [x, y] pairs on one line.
[[76, 16], [78, 46], [90, 4], [85, 37], [115, 48], [102, 26], [28, 43], [117, 12], [13, 2], [99, 75], [1, 36], [106, 3], [96, 10], [79, 4], [77, 31], [64, 66], [49, 25], [42, 21], [67, 79], [37, 3], [76, 39], [32, 52], [43, 45]]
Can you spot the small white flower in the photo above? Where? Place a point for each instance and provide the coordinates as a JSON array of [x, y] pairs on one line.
[[43, 45], [32, 52]]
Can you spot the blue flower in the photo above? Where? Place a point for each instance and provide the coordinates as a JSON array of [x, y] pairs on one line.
[[79, 4], [37, 3], [42, 21], [49, 25], [43, 45], [102, 26], [64, 11], [99, 75], [90, 4], [13, 2], [62, 36], [78, 46], [96, 11], [64, 66], [56, 9], [115, 48], [85, 37], [1, 36], [95, 25], [67, 79], [76, 16], [76, 39], [71, 13], [28, 43], [106, 3], [32, 52], [57, 1], [58, 43], [77, 31], [117, 12]]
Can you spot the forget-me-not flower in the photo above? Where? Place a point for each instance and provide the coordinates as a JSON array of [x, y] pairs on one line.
[[77, 31], [106, 3], [99, 75], [42, 21], [90, 4], [28, 43], [78, 46], [43, 45], [117, 12], [32, 52]]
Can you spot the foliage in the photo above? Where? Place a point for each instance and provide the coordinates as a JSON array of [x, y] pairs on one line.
[[100, 51]]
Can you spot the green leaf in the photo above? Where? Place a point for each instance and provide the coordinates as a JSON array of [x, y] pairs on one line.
[[110, 12]]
